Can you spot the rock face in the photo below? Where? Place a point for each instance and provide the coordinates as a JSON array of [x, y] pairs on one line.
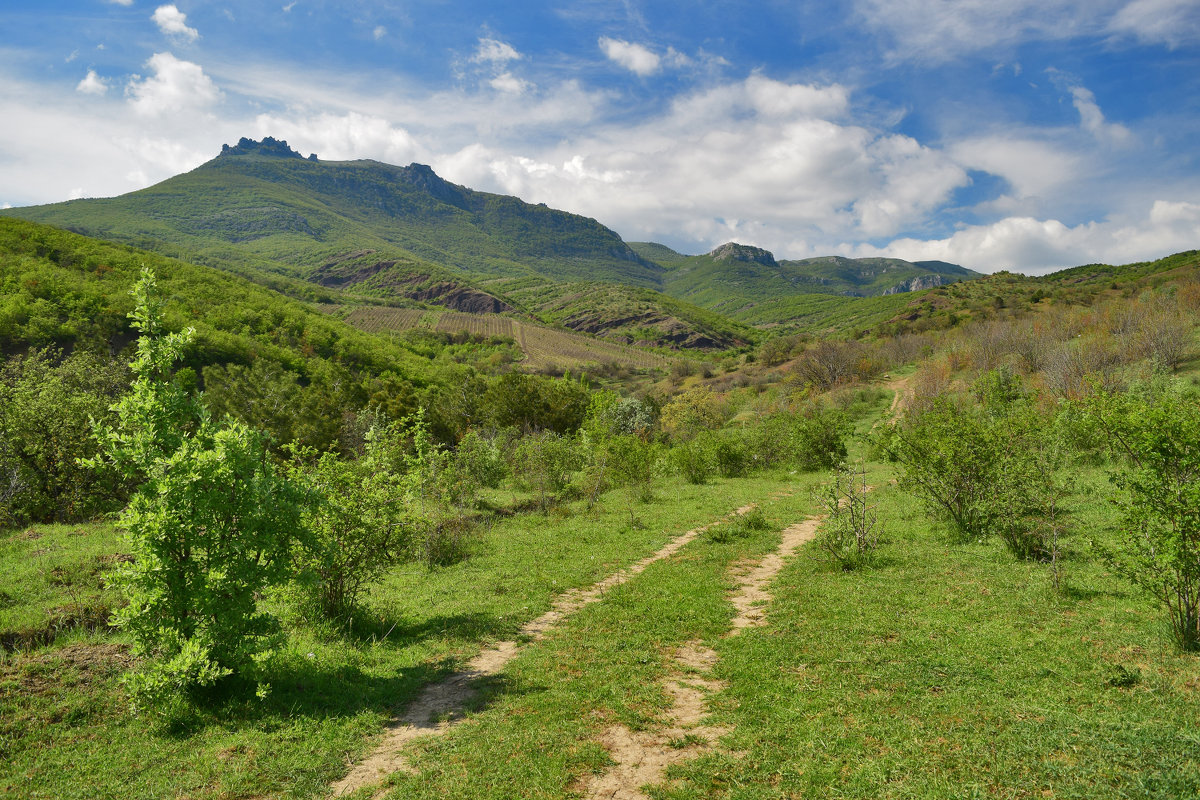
[[413, 285], [277, 148], [732, 251], [917, 284]]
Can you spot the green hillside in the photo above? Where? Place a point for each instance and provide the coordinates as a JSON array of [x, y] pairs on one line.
[[261, 204], [747, 284]]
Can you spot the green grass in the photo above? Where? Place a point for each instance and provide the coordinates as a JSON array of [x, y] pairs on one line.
[[65, 730], [945, 671]]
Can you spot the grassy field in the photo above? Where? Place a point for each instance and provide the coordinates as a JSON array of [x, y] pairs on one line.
[[64, 727], [544, 348], [942, 670]]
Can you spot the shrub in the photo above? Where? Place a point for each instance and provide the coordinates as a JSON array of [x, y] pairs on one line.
[[210, 527], [730, 456], [359, 514], [544, 462], [694, 460], [819, 439], [849, 533], [47, 403], [632, 462], [1158, 434]]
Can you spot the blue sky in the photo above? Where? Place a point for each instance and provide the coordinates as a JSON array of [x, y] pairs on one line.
[[1021, 134]]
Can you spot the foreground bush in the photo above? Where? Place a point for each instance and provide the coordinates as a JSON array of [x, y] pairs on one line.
[[1158, 434], [210, 527]]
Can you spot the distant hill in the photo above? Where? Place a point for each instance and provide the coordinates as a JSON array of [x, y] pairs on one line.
[[748, 284]]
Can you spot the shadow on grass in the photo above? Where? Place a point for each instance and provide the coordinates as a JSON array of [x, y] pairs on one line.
[[302, 685]]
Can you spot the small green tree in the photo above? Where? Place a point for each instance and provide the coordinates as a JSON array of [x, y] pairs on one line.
[[1158, 433], [210, 526], [544, 462], [358, 515], [632, 462], [849, 533]]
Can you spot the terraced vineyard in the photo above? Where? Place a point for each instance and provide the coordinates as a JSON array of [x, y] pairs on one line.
[[374, 319], [543, 347]]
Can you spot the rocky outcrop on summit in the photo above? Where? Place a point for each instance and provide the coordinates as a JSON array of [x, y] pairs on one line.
[[269, 146], [732, 251]]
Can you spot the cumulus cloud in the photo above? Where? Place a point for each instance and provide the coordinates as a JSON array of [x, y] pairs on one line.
[[176, 86], [633, 57], [507, 82], [495, 51], [92, 84], [1035, 246], [379, 32], [770, 165], [339, 137], [173, 22]]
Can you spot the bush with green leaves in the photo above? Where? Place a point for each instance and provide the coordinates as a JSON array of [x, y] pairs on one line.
[[544, 463], [47, 403], [818, 438], [694, 459], [632, 464], [1157, 433], [210, 527], [991, 469], [359, 517], [849, 532], [731, 455], [949, 457]]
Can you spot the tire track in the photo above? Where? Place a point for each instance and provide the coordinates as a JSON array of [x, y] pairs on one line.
[[642, 758], [443, 704]]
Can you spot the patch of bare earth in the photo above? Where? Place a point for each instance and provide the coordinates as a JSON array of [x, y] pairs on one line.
[[642, 758], [441, 705]]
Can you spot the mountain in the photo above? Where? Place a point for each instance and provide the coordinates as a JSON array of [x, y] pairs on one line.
[[261, 204], [749, 285], [376, 233]]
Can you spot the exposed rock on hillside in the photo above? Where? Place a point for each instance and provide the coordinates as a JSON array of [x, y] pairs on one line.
[[392, 278], [732, 251], [916, 284]]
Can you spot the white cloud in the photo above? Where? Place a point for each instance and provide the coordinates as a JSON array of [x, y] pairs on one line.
[[507, 82], [339, 137], [288, 8], [121, 2], [173, 22], [92, 84], [379, 32], [1169, 22], [940, 30], [770, 165], [495, 51], [1092, 118], [633, 57], [176, 86], [1024, 244]]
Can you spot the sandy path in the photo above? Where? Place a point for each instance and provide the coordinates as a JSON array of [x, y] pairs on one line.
[[899, 388], [643, 757], [441, 705]]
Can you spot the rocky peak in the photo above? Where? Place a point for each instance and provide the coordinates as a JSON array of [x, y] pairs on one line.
[[732, 251], [277, 148], [423, 177]]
